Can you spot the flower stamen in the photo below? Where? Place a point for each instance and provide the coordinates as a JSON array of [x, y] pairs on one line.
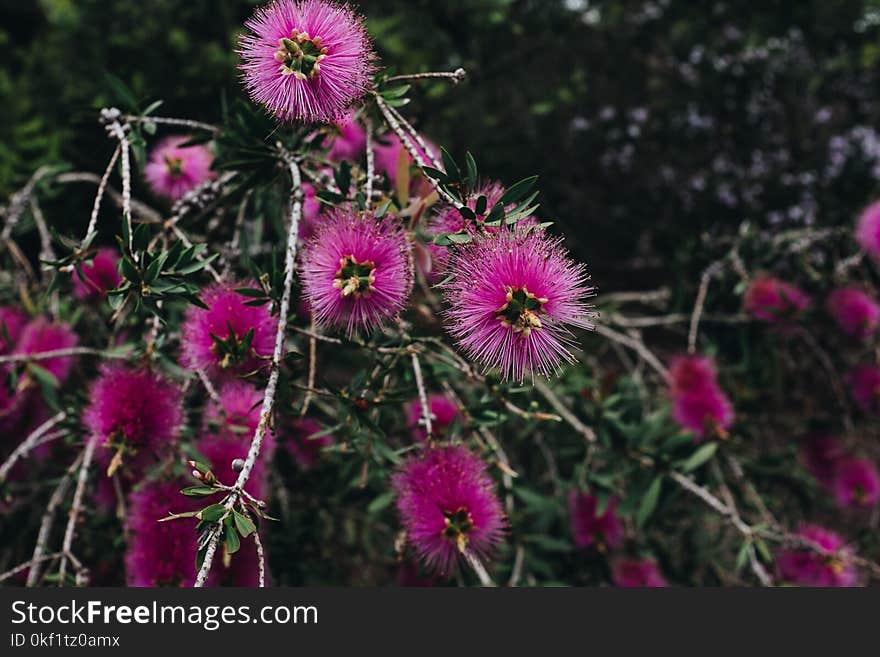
[[458, 524], [355, 278], [521, 311], [300, 55]]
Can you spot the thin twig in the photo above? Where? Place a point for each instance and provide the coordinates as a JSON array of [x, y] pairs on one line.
[[64, 353], [423, 395], [455, 76], [29, 443], [76, 505], [636, 345]]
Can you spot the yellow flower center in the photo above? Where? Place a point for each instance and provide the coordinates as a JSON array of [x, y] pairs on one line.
[[300, 55]]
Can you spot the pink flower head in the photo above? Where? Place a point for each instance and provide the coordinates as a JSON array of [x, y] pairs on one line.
[[173, 169], [12, 321], [390, 155], [221, 449], [160, 553], [443, 413], [311, 210], [864, 384], [447, 503], [771, 300], [96, 277], [306, 60], [831, 565], [350, 143], [821, 455], [588, 527], [856, 483], [305, 439], [705, 411], [40, 336], [356, 271], [512, 299], [690, 373], [135, 412], [637, 573], [230, 321], [856, 313], [238, 412], [868, 230]]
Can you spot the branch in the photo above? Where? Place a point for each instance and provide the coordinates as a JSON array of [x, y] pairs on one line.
[[76, 506], [29, 443]]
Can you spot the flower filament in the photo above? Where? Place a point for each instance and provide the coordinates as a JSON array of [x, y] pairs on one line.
[[300, 55], [521, 311], [458, 524]]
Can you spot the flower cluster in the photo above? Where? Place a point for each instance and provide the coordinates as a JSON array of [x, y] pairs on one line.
[[698, 403]]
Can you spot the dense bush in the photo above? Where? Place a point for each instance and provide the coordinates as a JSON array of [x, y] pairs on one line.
[[709, 162]]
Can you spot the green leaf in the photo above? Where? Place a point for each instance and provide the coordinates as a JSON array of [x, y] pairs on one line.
[[699, 457], [211, 513], [518, 191], [232, 540], [649, 501], [243, 524], [198, 491], [380, 502], [452, 170], [471, 170]]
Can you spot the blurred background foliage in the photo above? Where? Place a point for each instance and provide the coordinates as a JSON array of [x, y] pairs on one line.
[[650, 123]]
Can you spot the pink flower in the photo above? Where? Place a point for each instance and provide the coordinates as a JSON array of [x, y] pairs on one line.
[[771, 300], [173, 169], [512, 299], [448, 504], [868, 230], [306, 60], [311, 211], [589, 527], [831, 565], [135, 413], [227, 320], [40, 336], [689, 373], [95, 277], [705, 411], [390, 155], [443, 413], [356, 271], [864, 384], [350, 143], [305, 439], [637, 573], [856, 483], [820, 455], [160, 553], [12, 321], [856, 313], [221, 449], [238, 412]]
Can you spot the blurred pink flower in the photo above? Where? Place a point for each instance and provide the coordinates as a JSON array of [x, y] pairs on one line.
[[40, 336], [864, 384], [855, 482], [698, 403], [770, 300], [589, 527], [350, 143], [173, 169], [820, 455], [868, 230], [95, 278], [238, 411], [830, 566], [637, 573], [390, 154], [12, 321], [856, 313], [443, 413], [306, 60]]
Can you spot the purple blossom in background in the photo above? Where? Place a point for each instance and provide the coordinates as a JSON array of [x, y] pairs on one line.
[[443, 413], [41, 335], [589, 526], [637, 573], [830, 566], [864, 384], [855, 312], [447, 503], [306, 60], [175, 169], [855, 483], [93, 280], [771, 300]]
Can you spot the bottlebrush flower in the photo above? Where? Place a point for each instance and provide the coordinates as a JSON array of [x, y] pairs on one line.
[[771, 300], [94, 278], [160, 553], [443, 413], [864, 384], [12, 321], [306, 60], [855, 483], [856, 313], [868, 230], [512, 299], [135, 413], [447, 503], [637, 573], [356, 271], [311, 211], [350, 143], [228, 336], [238, 412], [221, 449], [705, 411], [40, 336], [300, 443], [174, 169], [831, 566], [588, 527], [689, 373], [820, 455]]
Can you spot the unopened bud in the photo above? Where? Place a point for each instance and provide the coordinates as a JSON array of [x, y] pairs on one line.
[[238, 465]]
